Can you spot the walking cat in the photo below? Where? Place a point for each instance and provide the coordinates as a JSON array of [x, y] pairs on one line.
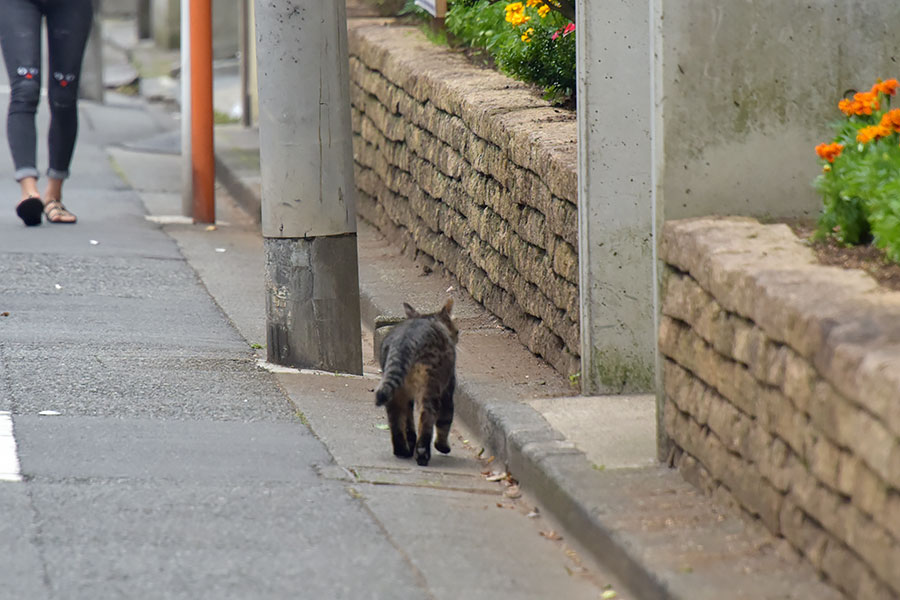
[[418, 362]]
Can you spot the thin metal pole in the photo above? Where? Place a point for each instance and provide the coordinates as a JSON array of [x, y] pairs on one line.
[[187, 175], [246, 40], [202, 136], [91, 85]]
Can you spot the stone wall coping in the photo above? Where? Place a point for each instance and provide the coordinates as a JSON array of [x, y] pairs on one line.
[[534, 134], [841, 320]]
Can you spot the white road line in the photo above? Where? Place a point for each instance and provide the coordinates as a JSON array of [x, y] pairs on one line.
[[9, 459]]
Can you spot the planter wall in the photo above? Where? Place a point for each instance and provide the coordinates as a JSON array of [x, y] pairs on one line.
[[782, 393], [475, 171]]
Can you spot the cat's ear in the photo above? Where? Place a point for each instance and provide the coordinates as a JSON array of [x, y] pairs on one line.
[[411, 313], [448, 306]]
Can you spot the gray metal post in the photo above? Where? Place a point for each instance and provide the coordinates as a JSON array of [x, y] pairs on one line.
[[187, 173], [245, 42], [308, 191], [617, 215], [91, 85], [144, 30]]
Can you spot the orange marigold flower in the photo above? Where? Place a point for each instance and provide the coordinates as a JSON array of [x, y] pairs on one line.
[[543, 10], [829, 152], [526, 37], [888, 88], [872, 132], [891, 119], [863, 103], [868, 102], [532, 3]]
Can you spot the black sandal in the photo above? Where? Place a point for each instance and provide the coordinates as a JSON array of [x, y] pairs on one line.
[[30, 210], [57, 213]]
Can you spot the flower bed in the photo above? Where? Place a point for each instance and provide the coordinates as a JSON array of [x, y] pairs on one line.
[[532, 41], [860, 183]]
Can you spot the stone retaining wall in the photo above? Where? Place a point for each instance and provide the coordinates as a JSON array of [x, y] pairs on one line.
[[782, 393], [475, 171]]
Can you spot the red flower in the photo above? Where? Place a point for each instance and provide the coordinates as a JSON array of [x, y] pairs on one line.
[[563, 30]]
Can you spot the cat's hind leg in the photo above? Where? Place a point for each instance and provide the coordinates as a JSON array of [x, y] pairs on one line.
[[445, 419], [399, 412], [426, 432], [411, 426]]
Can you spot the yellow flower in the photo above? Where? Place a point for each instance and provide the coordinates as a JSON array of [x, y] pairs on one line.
[[526, 37], [531, 3], [543, 10], [515, 14]]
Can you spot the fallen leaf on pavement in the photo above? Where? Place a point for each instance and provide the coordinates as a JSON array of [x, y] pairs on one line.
[[497, 476], [4, 314], [382, 426], [211, 227], [609, 595], [551, 535]]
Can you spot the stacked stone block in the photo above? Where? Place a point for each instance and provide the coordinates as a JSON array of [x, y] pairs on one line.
[[475, 171], [782, 393]]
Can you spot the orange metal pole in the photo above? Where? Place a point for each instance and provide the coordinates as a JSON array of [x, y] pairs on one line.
[[203, 165]]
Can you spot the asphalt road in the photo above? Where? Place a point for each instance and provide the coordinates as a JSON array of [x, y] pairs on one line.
[[173, 466]]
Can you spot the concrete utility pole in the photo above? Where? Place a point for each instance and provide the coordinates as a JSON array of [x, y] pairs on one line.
[[308, 191], [616, 206]]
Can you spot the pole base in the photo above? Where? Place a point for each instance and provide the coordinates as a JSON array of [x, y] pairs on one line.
[[312, 303]]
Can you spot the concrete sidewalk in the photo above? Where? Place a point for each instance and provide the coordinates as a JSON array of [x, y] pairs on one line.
[[589, 462]]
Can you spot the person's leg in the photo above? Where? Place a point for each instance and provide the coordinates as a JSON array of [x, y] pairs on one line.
[[20, 40], [68, 27]]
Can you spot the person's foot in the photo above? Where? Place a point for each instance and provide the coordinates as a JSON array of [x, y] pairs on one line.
[[29, 210], [57, 213]]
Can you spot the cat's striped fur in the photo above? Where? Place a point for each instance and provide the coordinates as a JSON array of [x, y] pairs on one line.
[[418, 361]]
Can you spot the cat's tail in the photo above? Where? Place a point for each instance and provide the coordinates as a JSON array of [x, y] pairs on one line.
[[396, 366]]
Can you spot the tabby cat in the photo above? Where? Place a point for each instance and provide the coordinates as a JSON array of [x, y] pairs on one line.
[[418, 362]]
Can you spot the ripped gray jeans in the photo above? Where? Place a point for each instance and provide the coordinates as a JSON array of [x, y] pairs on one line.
[[68, 27]]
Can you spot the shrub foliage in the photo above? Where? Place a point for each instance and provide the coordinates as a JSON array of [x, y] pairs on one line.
[[860, 180], [533, 41]]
